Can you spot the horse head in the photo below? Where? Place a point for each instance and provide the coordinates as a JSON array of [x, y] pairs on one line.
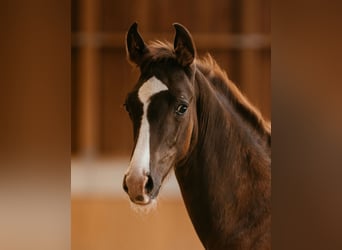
[[161, 107]]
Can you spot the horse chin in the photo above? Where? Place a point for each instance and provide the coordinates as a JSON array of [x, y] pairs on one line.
[[149, 204], [144, 208]]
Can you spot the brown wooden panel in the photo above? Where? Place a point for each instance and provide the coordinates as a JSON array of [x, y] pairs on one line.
[[255, 18], [251, 76], [118, 77], [118, 15], [265, 86], [264, 10]]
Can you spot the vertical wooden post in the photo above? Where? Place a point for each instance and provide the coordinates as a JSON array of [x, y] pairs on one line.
[[252, 80], [249, 73], [89, 80], [141, 13]]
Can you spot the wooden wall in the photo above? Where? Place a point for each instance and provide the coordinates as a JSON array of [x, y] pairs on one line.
[[236, 33]]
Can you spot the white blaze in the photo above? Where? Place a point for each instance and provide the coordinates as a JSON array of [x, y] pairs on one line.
[[141, 156]]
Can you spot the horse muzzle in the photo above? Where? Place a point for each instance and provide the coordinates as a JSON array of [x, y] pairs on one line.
[[138, 187]]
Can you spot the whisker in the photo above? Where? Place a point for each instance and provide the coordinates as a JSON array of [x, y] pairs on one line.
[[144, 209]]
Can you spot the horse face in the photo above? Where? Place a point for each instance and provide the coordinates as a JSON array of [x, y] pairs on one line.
[[161, 114], [161, 108]]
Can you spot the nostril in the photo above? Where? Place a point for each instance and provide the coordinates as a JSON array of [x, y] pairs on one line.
[[124, 185], [149, 184]]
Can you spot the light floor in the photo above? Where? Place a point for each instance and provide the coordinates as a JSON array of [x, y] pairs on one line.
[[107, 223]]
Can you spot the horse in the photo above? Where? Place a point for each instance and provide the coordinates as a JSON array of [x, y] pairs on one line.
[[188, 116]]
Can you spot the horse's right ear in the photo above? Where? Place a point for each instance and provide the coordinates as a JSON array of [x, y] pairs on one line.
[[183, 45], [135, 45]]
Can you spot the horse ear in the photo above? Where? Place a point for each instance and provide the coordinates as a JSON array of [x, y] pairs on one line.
[[135, 46], [183, 45]]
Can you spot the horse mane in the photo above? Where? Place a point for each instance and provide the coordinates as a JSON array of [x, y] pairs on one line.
[[160, 51], [219, 78]]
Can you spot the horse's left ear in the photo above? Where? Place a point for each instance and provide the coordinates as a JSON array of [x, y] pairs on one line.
[[135, 46], [183, 45]]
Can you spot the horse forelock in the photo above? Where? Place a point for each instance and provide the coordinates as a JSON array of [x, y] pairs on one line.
[[161, 50]]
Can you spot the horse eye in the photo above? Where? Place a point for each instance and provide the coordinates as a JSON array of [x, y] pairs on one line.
[[181, 109]]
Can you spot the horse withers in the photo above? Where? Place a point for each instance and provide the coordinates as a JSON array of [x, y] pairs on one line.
[[187, 115]]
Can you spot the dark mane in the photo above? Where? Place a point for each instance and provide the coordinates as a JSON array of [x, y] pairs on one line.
[[164, 51], [218, 77]]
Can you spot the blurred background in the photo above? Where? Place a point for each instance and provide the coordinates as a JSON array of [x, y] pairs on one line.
[[236, 33]]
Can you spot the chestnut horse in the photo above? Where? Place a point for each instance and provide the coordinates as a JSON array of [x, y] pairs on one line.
[[187, 115]]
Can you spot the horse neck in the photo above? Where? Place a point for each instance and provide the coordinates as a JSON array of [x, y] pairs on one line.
[[226, 168]]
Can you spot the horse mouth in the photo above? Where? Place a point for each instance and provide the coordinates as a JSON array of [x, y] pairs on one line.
[[146, 198], [142, 202], [144, 208]]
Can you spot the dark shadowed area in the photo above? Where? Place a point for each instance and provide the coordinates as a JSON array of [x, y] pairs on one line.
[[307, 122]]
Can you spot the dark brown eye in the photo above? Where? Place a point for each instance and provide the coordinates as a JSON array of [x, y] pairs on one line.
[[181, 109]]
